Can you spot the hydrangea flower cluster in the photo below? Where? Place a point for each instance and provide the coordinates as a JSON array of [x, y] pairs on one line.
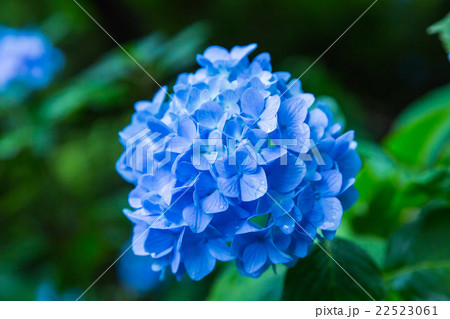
[[27, 58], [243, 166]]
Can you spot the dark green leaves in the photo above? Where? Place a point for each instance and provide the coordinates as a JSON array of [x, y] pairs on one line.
[[418, 256], [318, 277]]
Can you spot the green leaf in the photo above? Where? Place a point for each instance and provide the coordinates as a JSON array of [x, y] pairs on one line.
[[378, 184], [422, 131], [319, 277], [418, 258], [373, 245], [423, 187], [442, 27], [231, 285], [13, 142]]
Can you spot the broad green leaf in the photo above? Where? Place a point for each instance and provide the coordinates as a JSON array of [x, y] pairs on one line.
[[418, 256], [319, 277], [422, 131], [373, 245], [231, 285]]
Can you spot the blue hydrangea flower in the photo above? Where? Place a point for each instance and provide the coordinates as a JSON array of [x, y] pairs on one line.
[[237, 164], [27, 58]]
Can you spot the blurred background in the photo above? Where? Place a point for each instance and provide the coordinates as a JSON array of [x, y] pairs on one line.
[[61, 200]]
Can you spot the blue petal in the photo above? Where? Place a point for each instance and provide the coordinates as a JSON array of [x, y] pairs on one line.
[[329, 235], [252, 103], [205, 184], [215, 52], [179, 144], [176, 260], [276, 256], [127, 173], [239, 52], [212, 54], [135, 197], [343, 142], [160, 242], [270, 154], [349, 164], [198, 262], [318, 121], [234, 128], [196, 218], [229, 99], [225, 167], [159, 96], [219, 250], [330, 183], [254, 257], [308, 98], [346, 184], [286, 224], [298, 132], [140, 233], [257, 274], [281, 204], [253, 186], [214, 203], [141, 106], [264, 60], [196, 98], [264, 205], [301, 247], [292, 111], [228, 96], [187, 128], [183, 169], [332, 211], [268, 119], [140, 215], [248, 164], [285, 177], [201, 162], [306, 200], [349, 198], [156, 182], [283, 76], [210, 117], [156, 125], [229, 186]]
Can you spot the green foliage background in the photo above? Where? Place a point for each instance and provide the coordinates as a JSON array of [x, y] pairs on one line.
[[61, 221]]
